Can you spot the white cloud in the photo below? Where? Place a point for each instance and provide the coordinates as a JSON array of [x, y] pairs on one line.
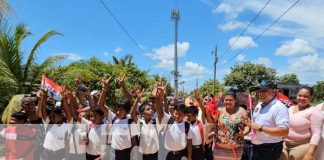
[[230, 9], [295, 47], [165, 63], [309, 68], [309, 63], [301, 21], [263, 60], [71, 56], [118, 50], [241, 42], [106, 54], [193, 69], [165, 54], [240, 58], [231, 25]]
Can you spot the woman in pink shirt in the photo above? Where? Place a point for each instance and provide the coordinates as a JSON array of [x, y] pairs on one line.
[[305, 125]]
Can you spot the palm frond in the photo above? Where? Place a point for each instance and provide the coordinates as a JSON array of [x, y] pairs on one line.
[[6, 73], [48, 63], [116, 61], [13, 106], [5, 8], [21, 32], [32, 53], [10, 54]]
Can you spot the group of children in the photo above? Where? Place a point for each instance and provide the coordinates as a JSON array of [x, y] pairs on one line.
[[84, 127]]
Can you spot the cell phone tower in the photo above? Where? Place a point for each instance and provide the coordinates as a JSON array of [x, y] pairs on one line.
[[175, 16]]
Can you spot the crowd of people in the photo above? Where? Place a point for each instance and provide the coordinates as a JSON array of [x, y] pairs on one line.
[[203, 127]]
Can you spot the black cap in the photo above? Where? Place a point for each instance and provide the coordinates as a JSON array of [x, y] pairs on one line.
[[267, 84]]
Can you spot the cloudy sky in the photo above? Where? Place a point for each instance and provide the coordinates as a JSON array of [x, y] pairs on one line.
[[292, 45]]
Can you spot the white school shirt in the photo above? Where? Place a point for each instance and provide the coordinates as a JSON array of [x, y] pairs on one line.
[[120, 134], [55, 136], [79, 133], [97, 137], [149, 140], [196, 137], [275, 114], [175, 138]]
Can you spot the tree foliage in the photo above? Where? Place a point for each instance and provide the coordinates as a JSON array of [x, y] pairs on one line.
[[318, 88], [207, 87], [288, 78], [245, 76]]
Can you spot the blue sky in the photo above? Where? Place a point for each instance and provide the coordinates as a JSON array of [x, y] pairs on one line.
[[293, 45]]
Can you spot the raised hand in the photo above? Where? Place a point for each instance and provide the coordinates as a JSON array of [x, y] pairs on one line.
[[197, 95], [121, 80], [64, 93], [139, 93], [105, 82], [88, 90], [78, 81], [44, 91]]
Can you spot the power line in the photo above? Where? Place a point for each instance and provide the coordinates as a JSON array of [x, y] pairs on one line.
[[121, 26], [255, 17], [257, 37]]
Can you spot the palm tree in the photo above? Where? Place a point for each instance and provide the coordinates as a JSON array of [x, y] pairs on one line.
[[126, 61], [4, 8], [12, 66]]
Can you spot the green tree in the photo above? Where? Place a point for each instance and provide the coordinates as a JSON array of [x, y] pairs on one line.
[[207, 87], [91, 71], [12, 58], [18, 73], [245, 76], [288, 78], [318, 95]]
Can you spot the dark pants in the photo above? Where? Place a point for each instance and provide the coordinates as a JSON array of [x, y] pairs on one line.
[[124, 154], [269, 151], [53, 155], [153, 156], [247, 150], [176, 155], [92, 157], [209, 151], [197, 153]]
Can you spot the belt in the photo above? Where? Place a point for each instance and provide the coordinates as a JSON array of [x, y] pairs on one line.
[[176, 152], [196, 146]]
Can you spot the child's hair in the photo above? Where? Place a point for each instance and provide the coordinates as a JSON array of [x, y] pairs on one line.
[[125, 104], [21, 116], [97, 110], [141, 108], [192, 110], [57, 110], [181, 107]]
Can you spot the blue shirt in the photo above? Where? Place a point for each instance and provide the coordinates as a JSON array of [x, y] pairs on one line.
[[275, 114]]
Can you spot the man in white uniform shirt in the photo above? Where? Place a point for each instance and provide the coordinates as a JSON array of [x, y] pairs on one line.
[[270, 123]]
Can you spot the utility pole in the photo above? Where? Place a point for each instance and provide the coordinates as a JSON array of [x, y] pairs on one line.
[[175, 15], [215, 63]]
